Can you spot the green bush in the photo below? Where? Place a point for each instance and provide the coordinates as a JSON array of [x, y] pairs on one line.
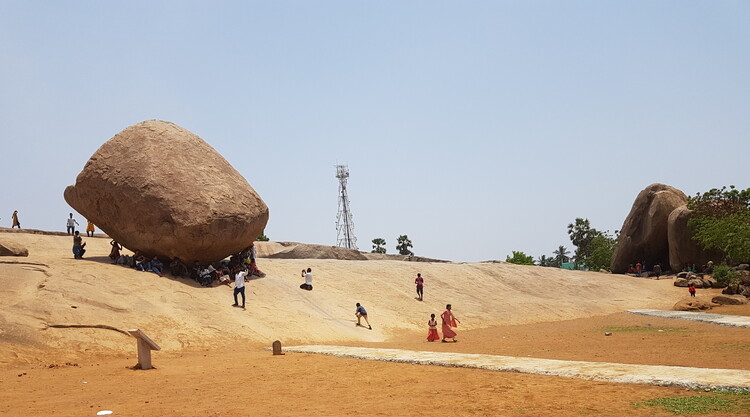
[[520, 258], [724, 274]]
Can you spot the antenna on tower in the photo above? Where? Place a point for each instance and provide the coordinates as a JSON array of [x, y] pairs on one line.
[[344, 224]]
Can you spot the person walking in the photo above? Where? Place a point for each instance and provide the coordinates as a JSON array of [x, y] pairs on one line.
[[361, 313], [16, 223], [90, 228], [420, 286], [239, 287], [71, 225], [449, 321], [432, 333]]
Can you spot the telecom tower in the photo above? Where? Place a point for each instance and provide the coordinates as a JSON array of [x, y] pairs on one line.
[[344, 224]]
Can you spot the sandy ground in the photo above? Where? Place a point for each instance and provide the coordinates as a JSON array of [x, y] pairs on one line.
[[214, 363]]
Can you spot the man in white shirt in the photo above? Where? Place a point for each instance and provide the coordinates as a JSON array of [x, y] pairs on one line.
[[72, 223], [308, 279], [239, 287]]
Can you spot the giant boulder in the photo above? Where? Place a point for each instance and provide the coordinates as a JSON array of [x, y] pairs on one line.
[[643, 236], [160, 189], [683, 249]]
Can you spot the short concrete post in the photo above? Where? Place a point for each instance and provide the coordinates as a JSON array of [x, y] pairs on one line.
[[145, 346], [277, 348]]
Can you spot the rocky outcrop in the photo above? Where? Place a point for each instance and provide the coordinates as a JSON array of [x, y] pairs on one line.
[[729, 299], [12, 249], [692, 304], [160, 189], [683, 249], [643, 236]]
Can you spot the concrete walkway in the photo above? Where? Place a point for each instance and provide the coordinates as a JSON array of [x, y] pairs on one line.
[[724, 320], [731, 379]]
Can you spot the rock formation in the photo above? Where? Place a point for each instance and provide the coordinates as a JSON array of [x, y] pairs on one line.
[[682, 248], [12, 249], [643, 236], [160, 189]]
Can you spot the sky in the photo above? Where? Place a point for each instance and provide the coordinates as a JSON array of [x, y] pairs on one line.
[[477, 128]]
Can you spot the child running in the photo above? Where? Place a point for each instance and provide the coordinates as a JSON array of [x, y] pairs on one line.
[[432, 334], [361, 313]]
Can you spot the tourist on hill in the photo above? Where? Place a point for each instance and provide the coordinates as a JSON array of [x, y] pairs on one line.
[[638, 269], [177, 268], [449, 320], [207, 276], [691, 290], [114, 254], [420, 286], [72, 223], [78, 246], [156, 266], [631, 270], [432, 333], [361, 313], [16, 223], [140, 261], [90, 228], [657, 270], [239, 288], [307, 285]]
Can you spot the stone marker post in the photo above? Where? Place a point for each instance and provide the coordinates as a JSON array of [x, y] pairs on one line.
[[277, 348], [145, 346]]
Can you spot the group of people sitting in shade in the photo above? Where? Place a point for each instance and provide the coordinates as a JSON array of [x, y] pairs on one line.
[[204, 274], [639, 270], [450, 321]]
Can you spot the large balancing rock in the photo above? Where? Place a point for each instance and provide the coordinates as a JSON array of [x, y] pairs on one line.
[[643, 236], [683, 249], [160, 189]]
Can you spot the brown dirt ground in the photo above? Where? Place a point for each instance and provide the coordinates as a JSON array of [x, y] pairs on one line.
[[244, 380]]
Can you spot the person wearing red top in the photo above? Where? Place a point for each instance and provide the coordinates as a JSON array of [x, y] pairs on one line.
[[692, 290], [420, 286], [638, 269]]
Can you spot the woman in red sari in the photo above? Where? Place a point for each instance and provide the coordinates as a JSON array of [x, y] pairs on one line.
[[432, 334], [449, 320]]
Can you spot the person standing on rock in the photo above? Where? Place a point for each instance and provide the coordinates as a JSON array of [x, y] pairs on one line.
[[420, 286], [239, 287], [90, 228], [638, 267], [691, 290], [15, 220], [449, 320], [361, 313], [72, 223]]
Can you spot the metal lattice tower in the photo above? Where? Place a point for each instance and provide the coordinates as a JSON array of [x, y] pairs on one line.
[[344, 224]]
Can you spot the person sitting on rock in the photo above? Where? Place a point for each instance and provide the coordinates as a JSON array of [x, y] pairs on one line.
[[140, 262], [115, 252], [78, 245], [156, 266], [177, 268], [254, 270], [207, 276]]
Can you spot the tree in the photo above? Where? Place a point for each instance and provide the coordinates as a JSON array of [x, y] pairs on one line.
[[545, 260], [561, 256], [378, 245], [581, 234], [721, 220], [601, 250], [403, 245], [520, 258]]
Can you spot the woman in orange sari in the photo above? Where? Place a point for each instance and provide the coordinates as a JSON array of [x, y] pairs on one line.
[[449, 320]]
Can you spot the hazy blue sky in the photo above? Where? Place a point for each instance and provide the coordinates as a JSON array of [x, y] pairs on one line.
[[475, 127]]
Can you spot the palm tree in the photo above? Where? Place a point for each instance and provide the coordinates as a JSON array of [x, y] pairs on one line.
[[403, 245], [561, 255], [378, 245]]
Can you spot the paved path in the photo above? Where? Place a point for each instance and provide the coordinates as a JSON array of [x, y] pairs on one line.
[[597, 371], [724, 320]]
